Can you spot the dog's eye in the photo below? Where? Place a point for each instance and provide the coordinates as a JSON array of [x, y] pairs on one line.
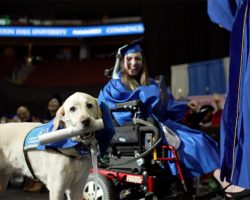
[[72, 109], [89, 105]]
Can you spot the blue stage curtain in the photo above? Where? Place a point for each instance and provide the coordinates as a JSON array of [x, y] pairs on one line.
[[206, 77]]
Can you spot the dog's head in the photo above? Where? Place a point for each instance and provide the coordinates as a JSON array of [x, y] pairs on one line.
[[79, 110]]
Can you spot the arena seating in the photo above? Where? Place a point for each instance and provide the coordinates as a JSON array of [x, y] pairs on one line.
[[68, 73], [7, 66]]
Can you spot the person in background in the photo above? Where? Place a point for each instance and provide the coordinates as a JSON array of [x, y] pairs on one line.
[[207, 115], [216, 118], [22, 115], [193, 119], [53, 105], [235, 127]]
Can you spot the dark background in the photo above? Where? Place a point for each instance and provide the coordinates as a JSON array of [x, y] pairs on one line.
[[176, 31]]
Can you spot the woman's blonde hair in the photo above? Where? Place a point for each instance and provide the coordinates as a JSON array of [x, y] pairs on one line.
[[132, 83]]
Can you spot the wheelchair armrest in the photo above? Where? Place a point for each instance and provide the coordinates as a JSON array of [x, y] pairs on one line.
[[152, 129], [127, 106]]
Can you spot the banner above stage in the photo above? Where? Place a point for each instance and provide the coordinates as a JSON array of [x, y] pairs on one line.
[[72, 32]]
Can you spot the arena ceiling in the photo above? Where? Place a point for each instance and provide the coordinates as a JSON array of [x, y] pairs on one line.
[[94, 9], [72, 9]]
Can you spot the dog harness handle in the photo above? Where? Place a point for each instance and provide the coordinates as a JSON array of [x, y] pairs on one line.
[[61, 134]]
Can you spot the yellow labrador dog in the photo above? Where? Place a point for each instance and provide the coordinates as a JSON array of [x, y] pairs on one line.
[[61, 173]]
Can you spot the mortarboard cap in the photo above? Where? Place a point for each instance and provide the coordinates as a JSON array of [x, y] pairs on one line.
[[133, 48]]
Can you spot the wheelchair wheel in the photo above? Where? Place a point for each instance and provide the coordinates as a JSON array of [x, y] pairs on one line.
[[104, 188]]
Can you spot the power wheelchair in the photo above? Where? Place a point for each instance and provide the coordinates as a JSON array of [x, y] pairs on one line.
[[133, 167]]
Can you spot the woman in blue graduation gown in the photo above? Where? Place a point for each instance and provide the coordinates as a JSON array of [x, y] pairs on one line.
[[198, 152], [235, 126]]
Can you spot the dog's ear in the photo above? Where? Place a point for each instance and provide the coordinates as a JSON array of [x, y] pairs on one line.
[[98, 110], [60, 112]]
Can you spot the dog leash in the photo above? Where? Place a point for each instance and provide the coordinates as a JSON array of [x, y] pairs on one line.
[[25, 153]]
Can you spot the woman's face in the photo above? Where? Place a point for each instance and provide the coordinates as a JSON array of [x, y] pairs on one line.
[[133, 63]]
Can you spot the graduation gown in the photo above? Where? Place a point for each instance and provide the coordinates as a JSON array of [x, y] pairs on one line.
[[198, 153], [235, 126]]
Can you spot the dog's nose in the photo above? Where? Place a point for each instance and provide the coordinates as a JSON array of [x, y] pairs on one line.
[[86, 121]]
